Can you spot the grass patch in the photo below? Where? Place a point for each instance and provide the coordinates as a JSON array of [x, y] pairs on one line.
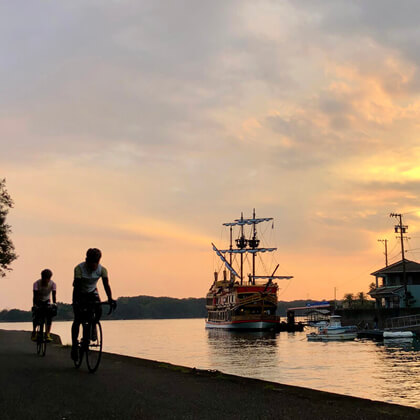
[[272, 387], [175, 368]]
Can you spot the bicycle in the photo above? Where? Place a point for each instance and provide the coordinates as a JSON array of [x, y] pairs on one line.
[[91, 340], [41, 336]]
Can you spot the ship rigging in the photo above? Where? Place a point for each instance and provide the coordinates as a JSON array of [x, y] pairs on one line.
[[235, 303]]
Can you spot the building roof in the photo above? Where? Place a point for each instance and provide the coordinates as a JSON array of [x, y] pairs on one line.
[[319, 311], [320, 306], [410, 267], [381, 292]]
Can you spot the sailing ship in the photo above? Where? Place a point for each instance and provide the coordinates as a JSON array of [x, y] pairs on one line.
[[235, 302]]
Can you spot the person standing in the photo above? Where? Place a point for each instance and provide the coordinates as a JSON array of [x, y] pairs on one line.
[[42, 291]]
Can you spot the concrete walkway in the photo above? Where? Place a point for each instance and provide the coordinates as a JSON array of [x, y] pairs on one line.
[[32, 387]]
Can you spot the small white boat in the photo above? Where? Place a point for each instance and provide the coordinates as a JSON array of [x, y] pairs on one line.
[[334, 331], [398, 334]]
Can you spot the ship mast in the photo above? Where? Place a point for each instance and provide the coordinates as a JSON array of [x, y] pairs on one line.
[[230, 246], [253, 243], [244, 245]]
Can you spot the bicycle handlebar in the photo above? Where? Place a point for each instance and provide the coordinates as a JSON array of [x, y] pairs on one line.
[[112, 306]]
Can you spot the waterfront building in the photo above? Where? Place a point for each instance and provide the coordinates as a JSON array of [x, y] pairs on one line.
[[397, 285]]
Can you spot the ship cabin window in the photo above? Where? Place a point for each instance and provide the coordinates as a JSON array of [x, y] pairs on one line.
[[255, 310], [219, 316], [247, 311]]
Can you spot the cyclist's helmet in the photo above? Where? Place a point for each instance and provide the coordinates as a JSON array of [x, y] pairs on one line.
[[46, 274], [93, 255]]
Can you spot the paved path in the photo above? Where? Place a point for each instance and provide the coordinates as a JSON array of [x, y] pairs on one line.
[[32, 387]]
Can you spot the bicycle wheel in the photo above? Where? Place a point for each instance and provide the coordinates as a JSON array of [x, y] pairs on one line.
[[80, 348], [41, 343], [94, 350]]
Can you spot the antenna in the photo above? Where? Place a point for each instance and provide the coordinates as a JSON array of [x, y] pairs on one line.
[[385, 242]]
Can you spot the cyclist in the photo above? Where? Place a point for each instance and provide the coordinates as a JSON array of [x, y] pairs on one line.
[[43, 289], [86, 276]]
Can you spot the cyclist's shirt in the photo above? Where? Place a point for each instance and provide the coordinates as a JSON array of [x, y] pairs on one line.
[[44, 292], [88, 280]]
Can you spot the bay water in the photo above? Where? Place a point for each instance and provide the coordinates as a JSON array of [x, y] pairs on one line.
[[386, 371]]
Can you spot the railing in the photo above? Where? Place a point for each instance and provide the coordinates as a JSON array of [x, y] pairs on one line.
[[402, 322], [261, 317], [249, 299], [255, 298]]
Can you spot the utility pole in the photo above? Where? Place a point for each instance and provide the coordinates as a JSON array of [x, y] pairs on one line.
[[402, 229], [335, 298], [385, 242]]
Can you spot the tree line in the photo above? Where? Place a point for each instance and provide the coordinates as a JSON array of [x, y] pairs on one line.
[[138, 307], [142, 307], [359, 300]]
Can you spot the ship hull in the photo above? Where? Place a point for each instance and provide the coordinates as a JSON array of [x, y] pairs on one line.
[[243, 325]]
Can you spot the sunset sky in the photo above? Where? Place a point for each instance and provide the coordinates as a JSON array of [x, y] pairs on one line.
[[139, 127]]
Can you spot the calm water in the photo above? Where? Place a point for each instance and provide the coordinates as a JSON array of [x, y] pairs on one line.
[[381, 371]]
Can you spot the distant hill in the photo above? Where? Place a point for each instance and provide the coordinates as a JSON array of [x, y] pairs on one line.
[[142, 307]]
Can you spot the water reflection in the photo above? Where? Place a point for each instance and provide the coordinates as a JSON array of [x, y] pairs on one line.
[[252, 337], [405, 344], [398, 370], [238, 351]]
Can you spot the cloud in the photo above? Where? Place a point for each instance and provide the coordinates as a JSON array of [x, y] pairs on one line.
[[143, 123]]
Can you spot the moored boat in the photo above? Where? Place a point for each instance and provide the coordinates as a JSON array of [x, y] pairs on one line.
[[398, 334], [333, 331], [238, 303]]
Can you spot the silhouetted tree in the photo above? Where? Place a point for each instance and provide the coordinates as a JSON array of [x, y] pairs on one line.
[[7, 250], [372, 286], [362, 297], [348, 297]]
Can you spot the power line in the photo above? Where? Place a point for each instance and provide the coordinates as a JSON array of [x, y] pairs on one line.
[[411, 212], [385, 242]]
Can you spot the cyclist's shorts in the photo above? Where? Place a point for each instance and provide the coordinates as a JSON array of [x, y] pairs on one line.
[[40, 309], [85, 298], [80, 300]]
